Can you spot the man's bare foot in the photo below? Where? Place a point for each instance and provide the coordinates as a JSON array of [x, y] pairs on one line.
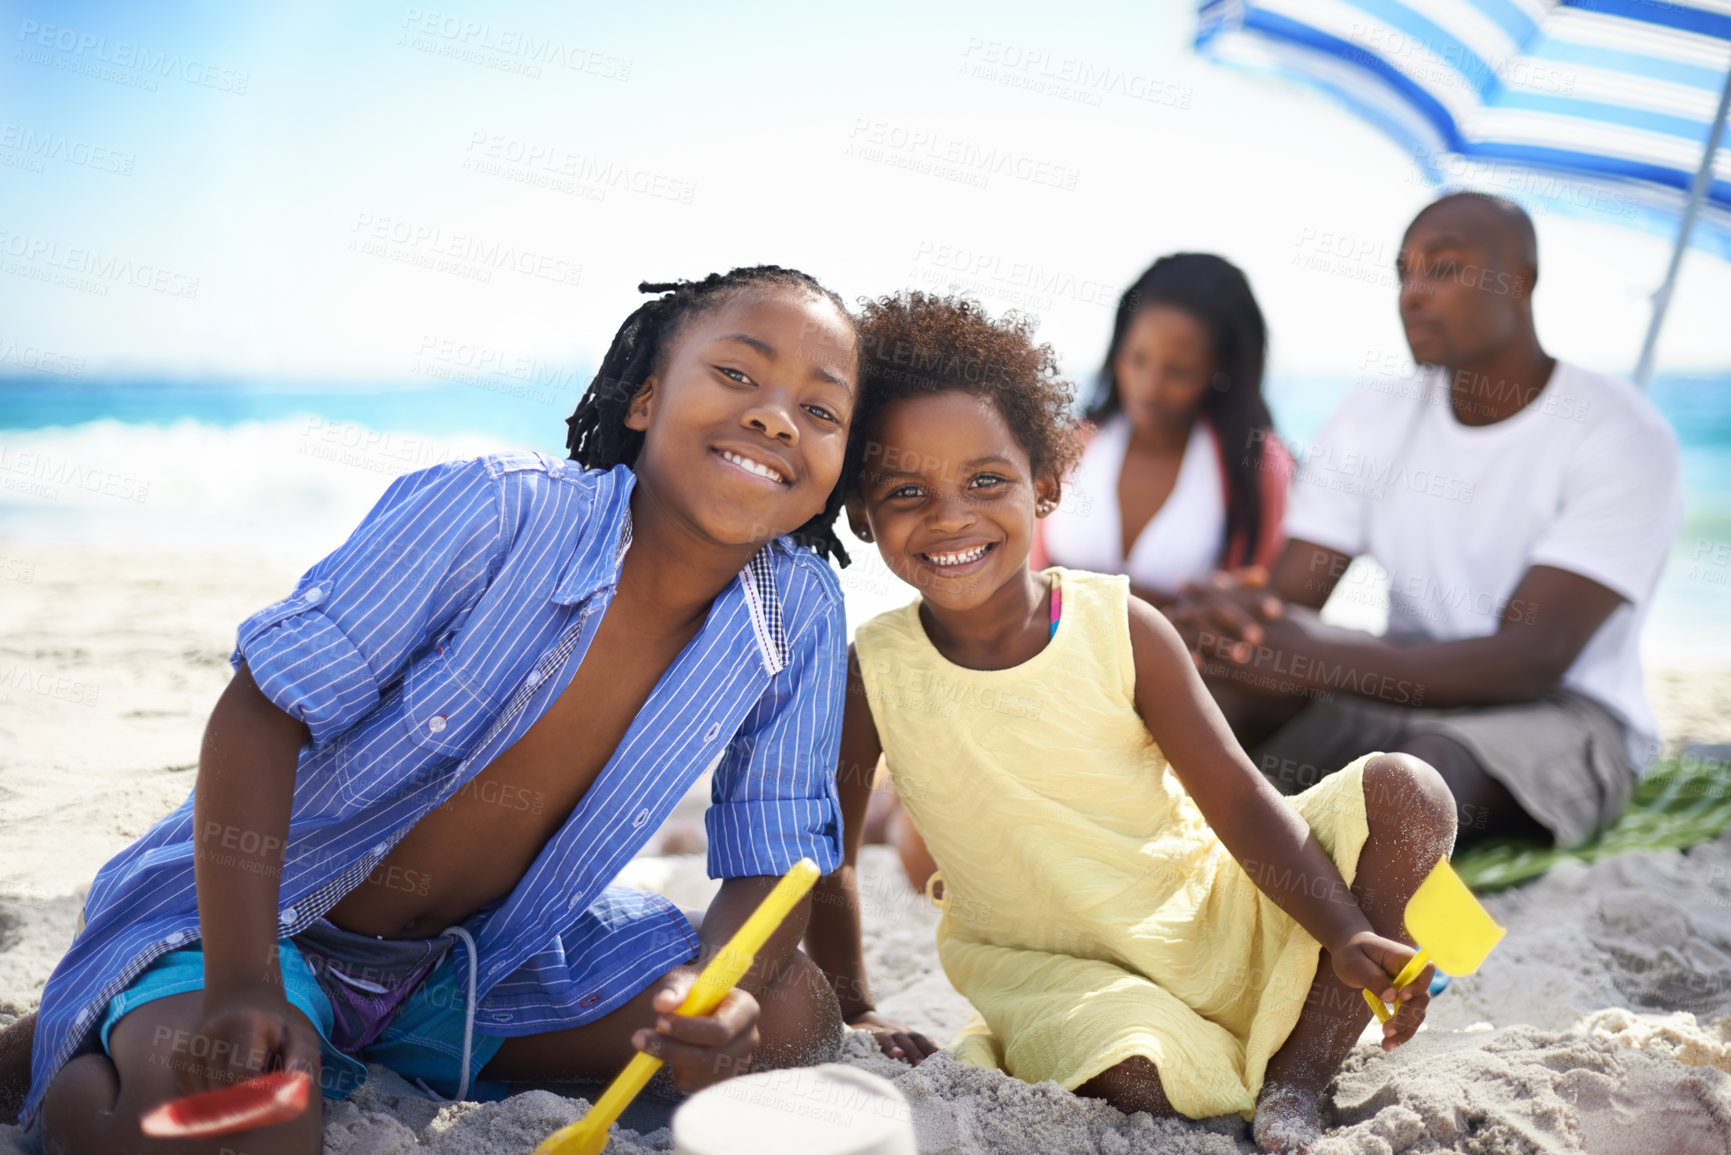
[[15, 1040], [1286, 1119]]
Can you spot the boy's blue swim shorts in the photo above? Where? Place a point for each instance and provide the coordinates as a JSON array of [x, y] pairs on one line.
[[422, 1040]]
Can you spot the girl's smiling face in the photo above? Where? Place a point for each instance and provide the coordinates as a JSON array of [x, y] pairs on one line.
[[949, 496], [746, 422]]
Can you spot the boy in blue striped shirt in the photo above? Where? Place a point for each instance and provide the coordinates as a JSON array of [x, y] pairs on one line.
[[437, 753]]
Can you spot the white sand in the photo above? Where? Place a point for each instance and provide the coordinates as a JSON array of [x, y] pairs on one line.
[[1594, 1027]]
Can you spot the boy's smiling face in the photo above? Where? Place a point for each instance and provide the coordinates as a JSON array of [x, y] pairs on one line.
[[745, 423], [949, 497]]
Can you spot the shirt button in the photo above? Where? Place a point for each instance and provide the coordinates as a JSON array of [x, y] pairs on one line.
[[287, 916], [380, 848], [436, 723], [315, 596], [533, 680], [175, 939], [642, 817], [709, 735]]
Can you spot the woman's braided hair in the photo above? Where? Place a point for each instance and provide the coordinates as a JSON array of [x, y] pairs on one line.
[[599, 437]]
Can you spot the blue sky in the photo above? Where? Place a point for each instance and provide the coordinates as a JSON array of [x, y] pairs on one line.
[[332, 191]]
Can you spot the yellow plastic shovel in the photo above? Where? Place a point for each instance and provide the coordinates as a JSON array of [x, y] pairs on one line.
[[1449, 926], [588, 1135]]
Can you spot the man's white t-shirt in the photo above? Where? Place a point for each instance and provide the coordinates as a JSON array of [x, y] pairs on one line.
[[1584, 478]]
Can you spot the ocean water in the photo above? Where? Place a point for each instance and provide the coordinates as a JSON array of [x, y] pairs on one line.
[[285, 471], [276, 470]]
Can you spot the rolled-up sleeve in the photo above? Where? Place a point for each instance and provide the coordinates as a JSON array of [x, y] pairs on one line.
[[424, 553], [774, 797]]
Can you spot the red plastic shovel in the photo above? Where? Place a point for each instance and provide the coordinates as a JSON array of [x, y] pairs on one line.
[[274, 1098]]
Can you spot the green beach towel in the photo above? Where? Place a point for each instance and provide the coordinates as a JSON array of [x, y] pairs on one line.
[[1684, 799]]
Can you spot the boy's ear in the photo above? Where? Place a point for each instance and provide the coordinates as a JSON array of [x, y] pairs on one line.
[[637, 413], [1048, 492], [856, 518]]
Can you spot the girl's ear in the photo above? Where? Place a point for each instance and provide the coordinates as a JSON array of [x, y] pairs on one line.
[[1047, 494], [637, 413], [856, 519]]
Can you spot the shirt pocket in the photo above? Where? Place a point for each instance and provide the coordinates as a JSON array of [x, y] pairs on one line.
[[440, 709], [177, 853], [442, 718]]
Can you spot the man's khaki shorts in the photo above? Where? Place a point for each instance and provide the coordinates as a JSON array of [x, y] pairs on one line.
[[1563, 757]]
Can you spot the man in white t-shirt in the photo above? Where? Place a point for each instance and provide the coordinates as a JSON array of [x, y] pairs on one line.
[[1523, 509]]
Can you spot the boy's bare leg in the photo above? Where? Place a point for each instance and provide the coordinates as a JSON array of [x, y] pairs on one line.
[[1412, 824], [799, 1024], [94, 1103], [15, 1042]]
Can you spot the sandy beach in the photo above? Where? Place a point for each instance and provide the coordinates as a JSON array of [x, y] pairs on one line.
[[1599, 1024]]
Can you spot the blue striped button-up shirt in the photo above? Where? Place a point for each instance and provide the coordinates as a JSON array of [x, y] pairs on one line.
[[451, 619]]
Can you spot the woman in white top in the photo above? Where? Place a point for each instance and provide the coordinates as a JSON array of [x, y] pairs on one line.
[[1182, 474]]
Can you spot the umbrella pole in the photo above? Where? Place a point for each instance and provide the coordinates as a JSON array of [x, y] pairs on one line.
[[1697, 193]]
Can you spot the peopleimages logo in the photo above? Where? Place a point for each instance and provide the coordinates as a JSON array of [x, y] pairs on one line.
[[983, 267], [36, 147], [86, 52], [550, 166], [43, 473], [1066, 77], [1369, 476], [932, 152], [507, 49], [90, 269], [39, 360], [459, 253]]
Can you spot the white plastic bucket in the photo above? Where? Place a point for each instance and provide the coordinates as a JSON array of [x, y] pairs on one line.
[[827, 1110]]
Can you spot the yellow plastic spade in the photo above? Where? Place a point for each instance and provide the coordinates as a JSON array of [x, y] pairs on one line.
[[1449, 926], [588, 1135]]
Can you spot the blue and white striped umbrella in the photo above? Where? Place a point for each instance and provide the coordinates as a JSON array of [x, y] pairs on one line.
[[1602, 108]]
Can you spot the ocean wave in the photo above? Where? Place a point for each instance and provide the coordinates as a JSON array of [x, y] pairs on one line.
[[269, 487]]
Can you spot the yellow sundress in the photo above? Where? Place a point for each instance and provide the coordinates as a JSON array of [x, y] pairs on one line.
[[1090, 913]]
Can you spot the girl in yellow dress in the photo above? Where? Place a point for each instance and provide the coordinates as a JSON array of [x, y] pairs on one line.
[[1132, 909]]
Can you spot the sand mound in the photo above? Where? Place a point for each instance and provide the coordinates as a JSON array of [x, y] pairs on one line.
[[1617, 1082], [1522, 1089], [1594, 1027], [388, 1116], [1642, 931], [1676, 1035]]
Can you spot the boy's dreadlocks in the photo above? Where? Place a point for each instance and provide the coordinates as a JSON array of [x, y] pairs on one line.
[[599, 437]]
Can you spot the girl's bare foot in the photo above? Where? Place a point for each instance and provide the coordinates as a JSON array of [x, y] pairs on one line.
[[1286, 1119]]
